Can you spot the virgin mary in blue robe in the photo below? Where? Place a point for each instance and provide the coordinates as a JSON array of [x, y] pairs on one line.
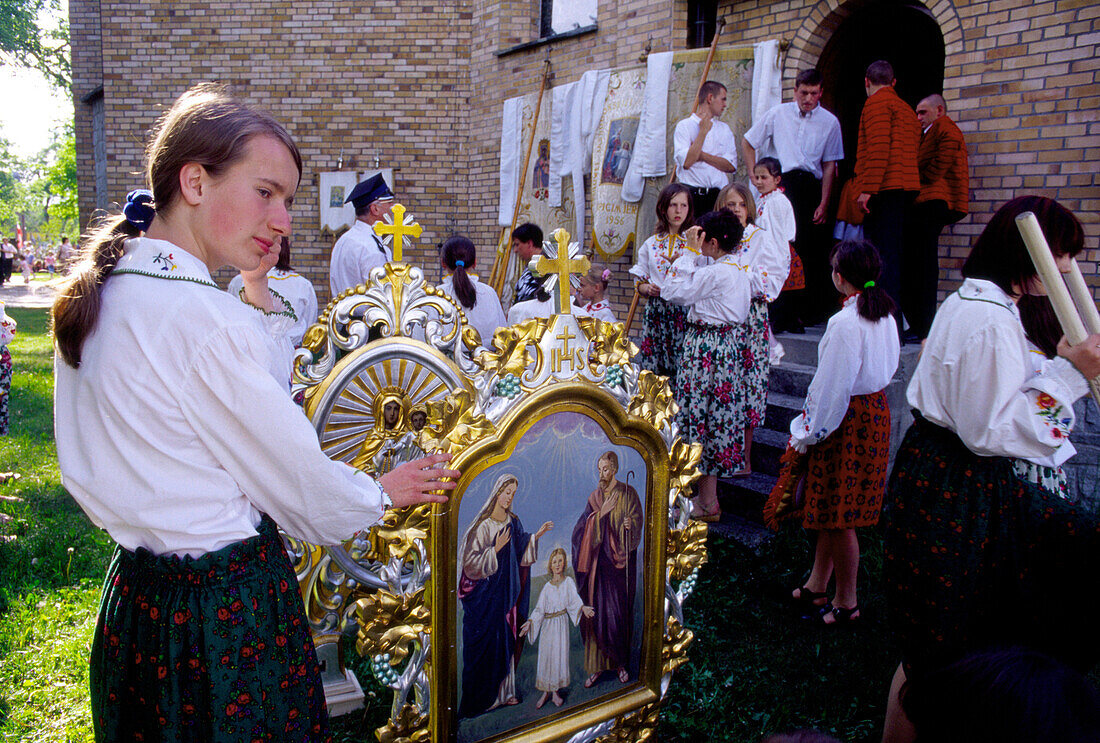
[[495, 591]]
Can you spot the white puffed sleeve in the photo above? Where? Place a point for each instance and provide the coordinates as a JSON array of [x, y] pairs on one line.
[[830, 391], [240, 411], [643, 269]]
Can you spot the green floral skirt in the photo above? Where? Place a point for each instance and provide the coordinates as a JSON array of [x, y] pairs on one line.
[[663, 327], [711, 398], [214, 648], [977, 558], [754, 363]]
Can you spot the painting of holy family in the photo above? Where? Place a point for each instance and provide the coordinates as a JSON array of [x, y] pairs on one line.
[[551, 550]]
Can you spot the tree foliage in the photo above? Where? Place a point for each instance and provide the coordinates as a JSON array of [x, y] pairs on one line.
[[39, 193], [28, 40]]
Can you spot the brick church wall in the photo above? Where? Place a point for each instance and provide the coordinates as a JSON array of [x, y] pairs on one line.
[[420, 89]]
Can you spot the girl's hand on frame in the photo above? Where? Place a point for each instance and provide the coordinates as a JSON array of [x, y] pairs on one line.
[[410, 483]]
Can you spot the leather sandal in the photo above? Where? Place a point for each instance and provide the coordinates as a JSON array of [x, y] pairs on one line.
[[807, 599], [841, 616]]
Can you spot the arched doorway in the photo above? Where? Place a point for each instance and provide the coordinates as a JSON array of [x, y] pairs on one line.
[[903, 33]]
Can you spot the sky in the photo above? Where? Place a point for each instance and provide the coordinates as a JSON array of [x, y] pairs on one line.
[[30, 108]]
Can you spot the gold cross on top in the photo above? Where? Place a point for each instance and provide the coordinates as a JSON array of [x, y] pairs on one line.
[[564, 266], [398, 228]]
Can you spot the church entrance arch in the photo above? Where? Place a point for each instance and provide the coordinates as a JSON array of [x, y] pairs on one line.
[[903, 33]]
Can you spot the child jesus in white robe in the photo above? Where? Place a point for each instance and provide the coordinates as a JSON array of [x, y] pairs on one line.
[[559, 603]]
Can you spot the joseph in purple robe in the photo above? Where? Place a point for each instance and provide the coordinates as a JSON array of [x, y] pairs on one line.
[[605, 558]]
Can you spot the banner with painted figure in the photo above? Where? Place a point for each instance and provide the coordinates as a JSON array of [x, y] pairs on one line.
[[619, 226], [614, 220], [335, 187], [534, 204]]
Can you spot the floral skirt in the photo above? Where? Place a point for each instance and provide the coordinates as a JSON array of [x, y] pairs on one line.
[[711, 398], [978, 558], [754, 364], [846, 473], [663, 326], [5, 387], [214, 648]]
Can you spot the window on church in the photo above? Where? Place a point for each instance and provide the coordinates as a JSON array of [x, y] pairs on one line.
[[702, 22], [563, 16]]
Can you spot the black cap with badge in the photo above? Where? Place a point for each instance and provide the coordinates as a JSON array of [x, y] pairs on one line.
[[371, 190]]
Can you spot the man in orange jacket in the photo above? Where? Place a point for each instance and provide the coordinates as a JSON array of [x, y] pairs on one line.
[[944, 199], [886, 169]]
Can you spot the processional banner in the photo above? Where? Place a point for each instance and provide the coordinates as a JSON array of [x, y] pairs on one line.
[[617, 225]]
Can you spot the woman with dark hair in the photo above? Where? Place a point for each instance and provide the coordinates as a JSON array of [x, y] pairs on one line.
[[173, 428], [844, 429], [480, 303], [495, 590], [663, 324], [977, 556], [1004, 696], [717, 294], [291, 286]]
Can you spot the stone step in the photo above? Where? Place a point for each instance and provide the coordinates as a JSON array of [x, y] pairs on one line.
[[801, 348], [748, 533], [790, 379], [745, 496], [782, 409], [767, 447]]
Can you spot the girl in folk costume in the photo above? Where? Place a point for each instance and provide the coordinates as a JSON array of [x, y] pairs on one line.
[[718, 294], [769, 263], [775, 214], [592, 291], [7, 333], [977, 555], [663, 323], [557, 606], [480, 303], [495, 590], [291, 286], [844, 431], [173, 426]]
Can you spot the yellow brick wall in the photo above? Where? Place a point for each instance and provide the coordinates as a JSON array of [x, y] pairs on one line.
[[421, 89]]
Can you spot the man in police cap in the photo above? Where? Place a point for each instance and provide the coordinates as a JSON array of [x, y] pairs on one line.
[[360, 248]]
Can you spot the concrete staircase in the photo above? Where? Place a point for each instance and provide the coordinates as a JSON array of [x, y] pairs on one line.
[[743, 498]]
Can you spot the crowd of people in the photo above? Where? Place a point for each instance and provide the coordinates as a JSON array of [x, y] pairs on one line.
[[201, 623], [30, 258]]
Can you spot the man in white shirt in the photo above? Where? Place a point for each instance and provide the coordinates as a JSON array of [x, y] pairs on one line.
[[806, 140], [360, 248], [704, 148]]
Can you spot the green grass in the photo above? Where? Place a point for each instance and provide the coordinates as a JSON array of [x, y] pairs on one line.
[[754, 668]]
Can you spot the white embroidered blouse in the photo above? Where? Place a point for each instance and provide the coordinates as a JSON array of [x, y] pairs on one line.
[[656, 256], [177, 431], [856, 356], [601, 310], [976, 378], [717, 293], [769, 261]]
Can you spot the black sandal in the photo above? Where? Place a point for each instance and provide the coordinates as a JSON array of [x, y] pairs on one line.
[[841, 616], [806, 599]]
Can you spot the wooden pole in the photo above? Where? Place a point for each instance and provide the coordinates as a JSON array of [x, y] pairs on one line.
[[630, 314], [703, 77], [496, 278], [1082, 298], [1068, 318]]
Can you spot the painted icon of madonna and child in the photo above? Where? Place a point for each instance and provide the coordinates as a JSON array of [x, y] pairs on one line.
[[585, 582]]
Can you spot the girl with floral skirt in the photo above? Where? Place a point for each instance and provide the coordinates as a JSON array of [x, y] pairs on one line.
[[844, 431], [717, 293], [663, 323], [978, 557], [7, 332], [173, 425], [775, 214], [769, 262]]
